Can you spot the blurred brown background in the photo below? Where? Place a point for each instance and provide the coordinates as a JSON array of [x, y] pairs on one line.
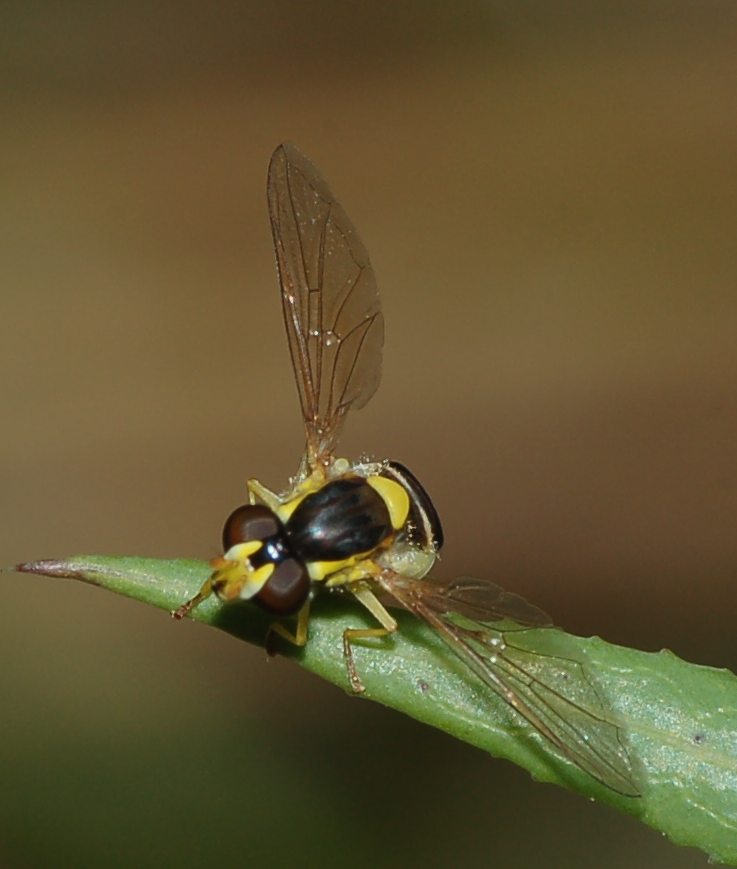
[[549, 197]]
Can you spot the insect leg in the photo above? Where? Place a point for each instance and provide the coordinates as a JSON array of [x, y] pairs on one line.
[[186, 608], [388, 626], [259, 494], [298, 638]]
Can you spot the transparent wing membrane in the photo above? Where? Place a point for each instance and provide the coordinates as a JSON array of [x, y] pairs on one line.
[[487, 602], [330, 301], [554, 694], [335, 331]]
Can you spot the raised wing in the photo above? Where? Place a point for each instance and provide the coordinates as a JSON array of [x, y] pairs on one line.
[[554, 694], [330, 301]]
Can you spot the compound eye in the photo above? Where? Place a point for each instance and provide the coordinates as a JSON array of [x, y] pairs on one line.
[[286, 589], [250, 522]]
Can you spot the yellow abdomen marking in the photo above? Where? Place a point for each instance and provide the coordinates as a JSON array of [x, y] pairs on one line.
[[394, 496]]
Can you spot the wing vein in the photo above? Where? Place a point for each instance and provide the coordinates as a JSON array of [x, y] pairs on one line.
[[326, 280]]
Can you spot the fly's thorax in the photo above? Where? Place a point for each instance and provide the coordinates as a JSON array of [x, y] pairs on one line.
[[377, 515], [348, 517]]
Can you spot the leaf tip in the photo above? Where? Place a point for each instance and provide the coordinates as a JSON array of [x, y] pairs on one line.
[[49, 567]]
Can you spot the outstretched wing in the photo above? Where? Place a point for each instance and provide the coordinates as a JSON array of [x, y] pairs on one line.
[[330, 301], [473, 617]]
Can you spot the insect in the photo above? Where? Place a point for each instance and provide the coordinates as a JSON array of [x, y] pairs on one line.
[[369, 527]]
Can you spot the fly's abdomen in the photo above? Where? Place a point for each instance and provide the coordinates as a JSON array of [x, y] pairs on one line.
[[425, 530], [343, 519]]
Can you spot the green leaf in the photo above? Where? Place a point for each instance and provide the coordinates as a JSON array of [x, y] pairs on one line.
[[679, 720]]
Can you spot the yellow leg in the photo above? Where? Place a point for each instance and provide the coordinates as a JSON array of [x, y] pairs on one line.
[[186, 608], [221, 582], [259, 494], [298, 638], [388, 626]]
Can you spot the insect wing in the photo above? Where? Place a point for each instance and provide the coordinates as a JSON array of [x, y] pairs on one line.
[[539, 686], [330, 300], [486, 601]]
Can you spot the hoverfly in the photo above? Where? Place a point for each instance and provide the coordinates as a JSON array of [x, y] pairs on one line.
[[369, 527]]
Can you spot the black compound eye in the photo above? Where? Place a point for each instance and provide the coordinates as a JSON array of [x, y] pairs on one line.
[[250, 522], [286, 589]]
